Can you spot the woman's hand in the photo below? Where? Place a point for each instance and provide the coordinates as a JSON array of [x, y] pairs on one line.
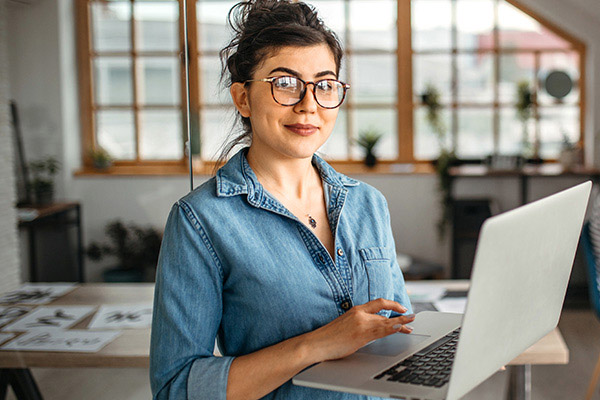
[[357, 327]]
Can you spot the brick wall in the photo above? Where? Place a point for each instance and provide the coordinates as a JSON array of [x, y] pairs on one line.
[[9, 249]]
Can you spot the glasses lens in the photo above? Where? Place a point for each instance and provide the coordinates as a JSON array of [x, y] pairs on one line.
[[329, 93], [287, 90]]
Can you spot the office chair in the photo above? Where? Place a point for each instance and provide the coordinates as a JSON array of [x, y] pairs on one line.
[[594, 288]]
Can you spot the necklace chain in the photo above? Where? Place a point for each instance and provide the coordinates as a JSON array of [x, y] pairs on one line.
[[311, 221]]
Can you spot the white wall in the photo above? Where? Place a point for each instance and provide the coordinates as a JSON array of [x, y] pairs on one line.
[[9, 249], [42, 73]]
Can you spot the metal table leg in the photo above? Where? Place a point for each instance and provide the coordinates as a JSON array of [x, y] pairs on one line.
[[22, 383], [3, 384], [519, 382]]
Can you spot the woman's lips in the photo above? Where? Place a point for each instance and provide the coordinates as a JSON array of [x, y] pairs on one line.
[[301, 129]]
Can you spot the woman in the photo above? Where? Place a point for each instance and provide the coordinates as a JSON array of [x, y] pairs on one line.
[[282, 259]]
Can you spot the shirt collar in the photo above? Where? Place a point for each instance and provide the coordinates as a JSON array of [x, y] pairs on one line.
[[236, 177]]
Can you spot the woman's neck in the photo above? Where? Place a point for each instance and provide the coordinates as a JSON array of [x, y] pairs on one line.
[[293, 177]]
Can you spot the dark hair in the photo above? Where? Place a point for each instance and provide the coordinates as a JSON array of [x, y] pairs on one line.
[[260, 27]]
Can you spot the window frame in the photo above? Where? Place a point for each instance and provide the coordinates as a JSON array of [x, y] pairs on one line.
[[405, 104]]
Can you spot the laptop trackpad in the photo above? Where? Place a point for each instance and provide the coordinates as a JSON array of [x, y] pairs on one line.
[[392, 345]]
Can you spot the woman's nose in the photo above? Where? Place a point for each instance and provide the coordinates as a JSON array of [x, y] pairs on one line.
[[309, 102]]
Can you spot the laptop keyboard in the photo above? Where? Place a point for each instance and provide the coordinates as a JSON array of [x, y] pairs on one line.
[[430, 366]]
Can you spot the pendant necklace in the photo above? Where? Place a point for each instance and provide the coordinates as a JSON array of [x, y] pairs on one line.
[[311, 221]]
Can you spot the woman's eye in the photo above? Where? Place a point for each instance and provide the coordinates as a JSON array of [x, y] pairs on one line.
[[285, 83], [325, 86]]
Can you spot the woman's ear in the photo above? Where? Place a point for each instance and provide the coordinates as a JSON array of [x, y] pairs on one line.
[[239, 94]]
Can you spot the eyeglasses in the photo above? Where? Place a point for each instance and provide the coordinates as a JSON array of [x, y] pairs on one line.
[[290, 90]]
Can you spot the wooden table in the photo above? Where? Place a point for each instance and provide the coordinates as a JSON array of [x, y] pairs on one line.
[[551, 349], [132, 347]]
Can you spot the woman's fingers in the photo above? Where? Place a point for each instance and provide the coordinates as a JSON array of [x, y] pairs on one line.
[[374, 306]]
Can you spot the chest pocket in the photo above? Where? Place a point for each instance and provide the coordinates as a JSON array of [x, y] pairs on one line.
[[379, 274]]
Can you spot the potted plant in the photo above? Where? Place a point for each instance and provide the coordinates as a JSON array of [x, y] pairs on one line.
[[42, 183], [135, 248], [446, 159], [101, 159], [570, 154], [368, 139], [524, 113]]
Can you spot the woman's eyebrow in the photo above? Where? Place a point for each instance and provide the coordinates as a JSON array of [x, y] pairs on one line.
[[295, 73]]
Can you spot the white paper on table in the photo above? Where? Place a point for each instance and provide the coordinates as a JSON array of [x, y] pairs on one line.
[[424, 293], [452, 305], [11, 313], [59, 340], [50, 317], [37, 293], [123, 316], [5, 336]]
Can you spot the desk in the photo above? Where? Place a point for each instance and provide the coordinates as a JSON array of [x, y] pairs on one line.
[[523, 174], [132, 347], [52, 214], [551, 349], [129, 350]]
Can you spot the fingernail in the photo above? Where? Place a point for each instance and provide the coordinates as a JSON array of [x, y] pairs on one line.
[[410, 315], [410, 328], [397, 326], [403, 309]]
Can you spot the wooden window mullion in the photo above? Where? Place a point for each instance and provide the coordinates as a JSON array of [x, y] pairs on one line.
[[134, 79], [405, 106]]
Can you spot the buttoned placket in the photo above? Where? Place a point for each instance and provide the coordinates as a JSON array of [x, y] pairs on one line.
[[336, 274]]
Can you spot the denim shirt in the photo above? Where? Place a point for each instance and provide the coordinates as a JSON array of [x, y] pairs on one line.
[[237, 266]]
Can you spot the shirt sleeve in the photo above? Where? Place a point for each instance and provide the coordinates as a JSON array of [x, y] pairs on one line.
[[400, 294], [187, 314]]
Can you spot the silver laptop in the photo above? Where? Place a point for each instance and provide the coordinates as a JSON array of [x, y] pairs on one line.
[[520, 275]]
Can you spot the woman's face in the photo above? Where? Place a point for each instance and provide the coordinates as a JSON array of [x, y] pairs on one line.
[[288, 131]]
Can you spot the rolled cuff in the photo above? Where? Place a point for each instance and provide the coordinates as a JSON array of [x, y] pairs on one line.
[[208, 378]]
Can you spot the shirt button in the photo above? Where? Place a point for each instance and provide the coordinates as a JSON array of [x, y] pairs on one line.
[[340, 252], [321, 258], [345, 305]]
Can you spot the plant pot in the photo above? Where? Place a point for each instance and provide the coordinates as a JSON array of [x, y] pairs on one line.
[[43, 196], [102, 164], [123, 275], [370, 160]]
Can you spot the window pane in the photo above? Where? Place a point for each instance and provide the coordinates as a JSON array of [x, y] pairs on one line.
[[159, 81], [567, 62], [161, 135], [433, 70], [212, 92], [156, 24], [512, 132], [384, 121], [215, 127], [475, 78], [519, 30], [557, 123], [475, 138], [375, 79], [336, 147], [431, 24], [515, 68], [111, 27], [373, 24], [115, 133], [212, 24], [426, 142], [333, 13], [112, 81], [475, 24]]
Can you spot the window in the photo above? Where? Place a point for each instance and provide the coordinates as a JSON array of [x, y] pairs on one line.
[[474, 52]]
